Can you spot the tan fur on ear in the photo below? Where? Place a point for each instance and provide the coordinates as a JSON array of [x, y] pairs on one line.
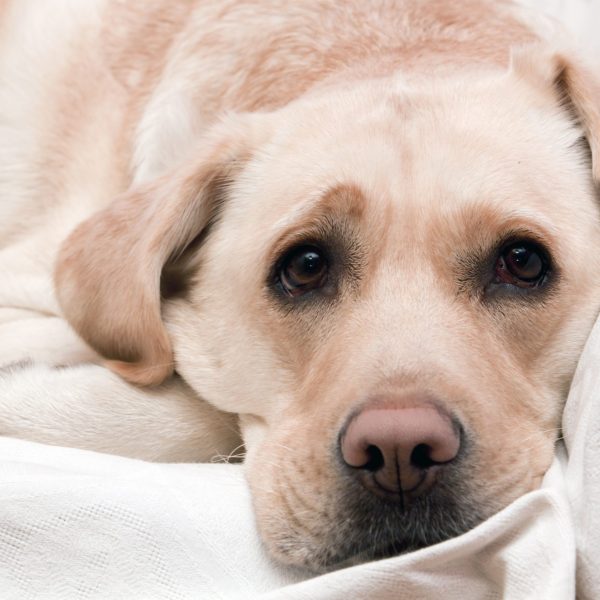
[[109, 269], [577, 88]]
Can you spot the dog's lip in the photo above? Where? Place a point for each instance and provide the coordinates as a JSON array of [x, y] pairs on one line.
[[351, 556], [401, 494]]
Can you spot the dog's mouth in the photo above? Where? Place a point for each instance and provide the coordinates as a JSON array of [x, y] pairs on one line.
[[370, 528]]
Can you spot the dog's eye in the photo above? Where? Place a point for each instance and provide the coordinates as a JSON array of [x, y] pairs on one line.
[[303, 269], [523, 263]]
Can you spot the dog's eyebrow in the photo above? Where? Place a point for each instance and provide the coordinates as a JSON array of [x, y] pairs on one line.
[[331, 220], [332, 215], [340, 199], [329, 216]]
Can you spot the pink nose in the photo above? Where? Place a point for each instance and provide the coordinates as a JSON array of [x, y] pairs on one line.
[[399, 450]]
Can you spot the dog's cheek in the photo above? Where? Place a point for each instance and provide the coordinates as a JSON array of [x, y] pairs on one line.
[[293, 482], [510, 460], [224, 359]]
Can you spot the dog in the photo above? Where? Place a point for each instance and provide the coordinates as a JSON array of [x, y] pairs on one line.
[[362, 238]]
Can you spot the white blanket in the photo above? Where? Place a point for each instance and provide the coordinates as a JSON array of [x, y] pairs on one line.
[[76, 524]]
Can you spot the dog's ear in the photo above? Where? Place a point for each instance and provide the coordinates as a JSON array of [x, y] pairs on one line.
[[108, 273], [572, 84]]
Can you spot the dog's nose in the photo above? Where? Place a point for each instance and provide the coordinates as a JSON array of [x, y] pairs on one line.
[[400, 450]]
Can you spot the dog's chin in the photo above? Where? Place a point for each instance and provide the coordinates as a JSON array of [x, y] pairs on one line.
[[368, 529]]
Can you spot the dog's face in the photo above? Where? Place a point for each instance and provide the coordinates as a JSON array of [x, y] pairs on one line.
[[391, 286]]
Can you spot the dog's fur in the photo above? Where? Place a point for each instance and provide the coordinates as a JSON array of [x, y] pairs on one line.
[[158, 156]]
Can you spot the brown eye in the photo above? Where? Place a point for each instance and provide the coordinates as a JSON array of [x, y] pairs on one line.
[[303, 269], [523, 264]]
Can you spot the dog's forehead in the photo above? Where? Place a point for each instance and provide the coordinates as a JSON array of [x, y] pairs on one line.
[[433, 150]]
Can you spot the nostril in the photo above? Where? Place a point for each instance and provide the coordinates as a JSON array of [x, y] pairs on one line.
[[375, 460], [399, 442], [421, 457]]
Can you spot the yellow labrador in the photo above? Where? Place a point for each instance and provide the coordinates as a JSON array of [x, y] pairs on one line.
[[368, 230]]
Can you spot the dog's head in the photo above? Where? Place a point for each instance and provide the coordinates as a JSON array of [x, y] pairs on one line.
[[389, 284]]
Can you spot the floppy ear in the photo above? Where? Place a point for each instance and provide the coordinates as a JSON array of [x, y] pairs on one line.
[[108, 273], [574, 86]]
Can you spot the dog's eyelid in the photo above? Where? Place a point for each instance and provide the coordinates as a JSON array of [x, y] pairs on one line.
[[528, 237], [513, 235], [523, 233], [475, 269], [326, 232]]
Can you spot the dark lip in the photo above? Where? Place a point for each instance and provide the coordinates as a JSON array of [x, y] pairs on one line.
[[360, 551], [368, 527], [394, 494]]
